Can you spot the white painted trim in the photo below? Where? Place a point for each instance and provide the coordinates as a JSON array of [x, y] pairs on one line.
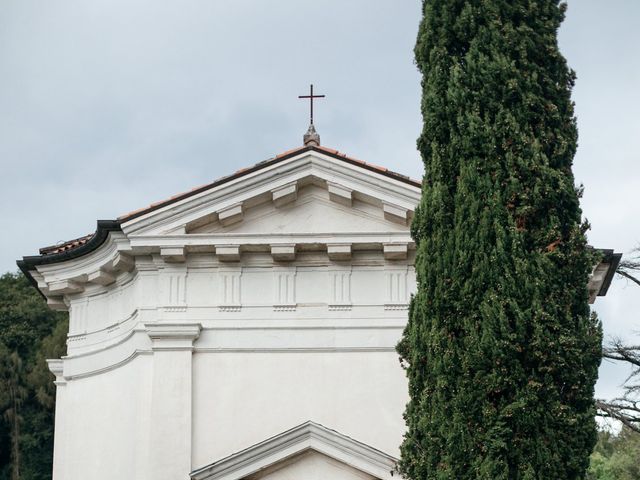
[[236, 239], [173, 336], [85, 264], [56, 367], [308, 436], [146, 338]]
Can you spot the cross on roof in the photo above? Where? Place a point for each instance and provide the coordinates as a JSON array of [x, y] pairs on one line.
[[311, 96]]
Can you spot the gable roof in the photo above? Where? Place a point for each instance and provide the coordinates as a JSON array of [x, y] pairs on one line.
[[307, 436], [267, 163], [71, 249]]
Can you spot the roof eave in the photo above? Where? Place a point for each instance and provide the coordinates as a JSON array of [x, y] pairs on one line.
[[30, 263], [613, 260]]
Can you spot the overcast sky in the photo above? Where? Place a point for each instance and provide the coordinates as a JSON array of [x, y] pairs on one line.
[[109, 105]]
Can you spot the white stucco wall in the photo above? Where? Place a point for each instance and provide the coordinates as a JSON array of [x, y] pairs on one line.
[[253, 371], [243, 398], [191, 338], [105, 428]]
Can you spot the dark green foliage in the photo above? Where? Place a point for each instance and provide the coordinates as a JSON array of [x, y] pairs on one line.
[[501, 350], [29, 333], [616, 456]]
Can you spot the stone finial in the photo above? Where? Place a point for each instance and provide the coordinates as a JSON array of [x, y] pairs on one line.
[[311, 138]]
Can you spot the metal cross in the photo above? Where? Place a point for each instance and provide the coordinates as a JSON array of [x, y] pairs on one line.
[[311, 96]]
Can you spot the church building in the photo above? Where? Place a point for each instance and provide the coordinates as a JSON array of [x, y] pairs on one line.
[[245, 329]]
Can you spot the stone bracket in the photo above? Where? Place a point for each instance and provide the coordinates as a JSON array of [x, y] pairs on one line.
[[394, 213], [339, 251], [228, 253], [340, 194], [101, 277], [395, 251], [64, 287], [230, 215], [57, 303], [121, 263], [286, 194], [283, 253], [173, 254]]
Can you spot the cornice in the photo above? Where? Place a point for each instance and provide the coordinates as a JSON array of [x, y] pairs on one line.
[[29, 263], [241, 239]]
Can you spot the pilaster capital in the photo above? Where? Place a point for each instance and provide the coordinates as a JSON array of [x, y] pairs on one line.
[[56, 367], [173, 336]]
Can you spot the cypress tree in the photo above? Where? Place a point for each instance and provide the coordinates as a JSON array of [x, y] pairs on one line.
[[500, 350]]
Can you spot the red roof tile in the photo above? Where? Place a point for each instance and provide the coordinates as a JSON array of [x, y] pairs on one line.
[[64, 246]]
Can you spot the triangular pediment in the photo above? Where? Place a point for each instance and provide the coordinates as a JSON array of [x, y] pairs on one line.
[[308, 184], [310, 465], [303, 451]]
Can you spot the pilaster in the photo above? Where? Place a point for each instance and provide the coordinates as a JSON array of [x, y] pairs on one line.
[[171, 416], [56, 367]]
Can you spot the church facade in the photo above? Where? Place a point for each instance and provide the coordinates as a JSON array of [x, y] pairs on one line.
[[243, 330]]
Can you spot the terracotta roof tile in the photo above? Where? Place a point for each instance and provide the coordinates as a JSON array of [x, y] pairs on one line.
[[330, 150], [65, 246], [133, 212], [378, 167], [287, 152], [371, 165]]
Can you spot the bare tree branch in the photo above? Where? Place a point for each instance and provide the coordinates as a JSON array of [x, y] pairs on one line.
[[625, 409], [628, 267], [626, 413], [617, 350], [627, 275]]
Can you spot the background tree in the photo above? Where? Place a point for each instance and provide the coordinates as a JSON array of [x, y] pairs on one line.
[[12, 374], [616, 456], [625, 409], [29, 333], [501, 350], [629, 267]]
